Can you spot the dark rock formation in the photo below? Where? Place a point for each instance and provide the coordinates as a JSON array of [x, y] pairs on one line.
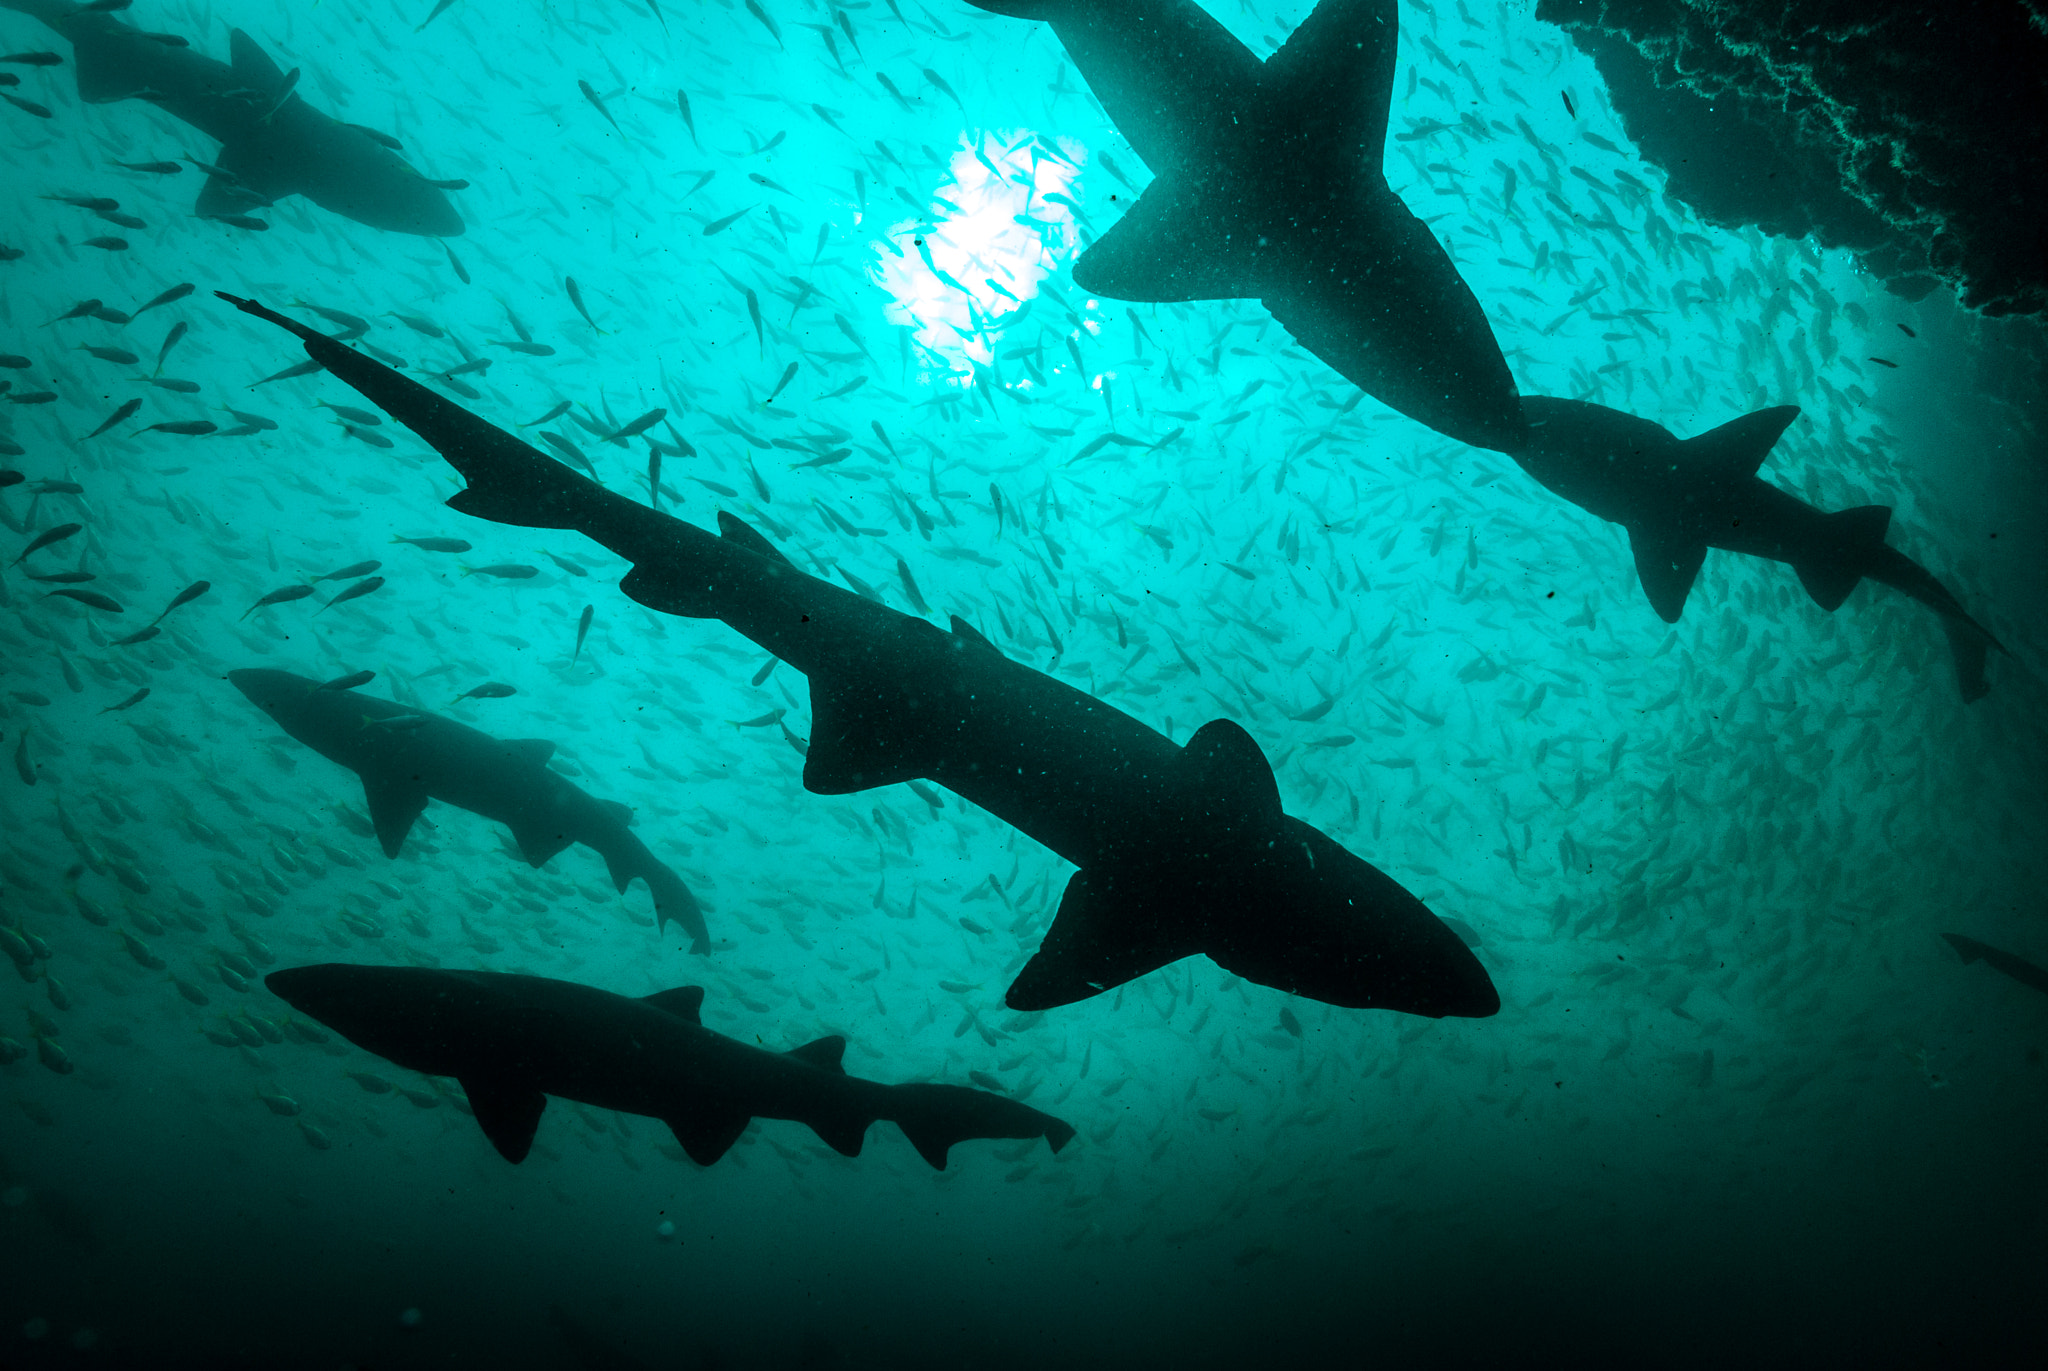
[[1913, 133]]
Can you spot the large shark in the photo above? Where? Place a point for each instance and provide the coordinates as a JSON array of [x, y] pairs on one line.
[[1181, 850], [406, 757], [512, 1041], [1269, 184], [1679, 497], [272, 143]]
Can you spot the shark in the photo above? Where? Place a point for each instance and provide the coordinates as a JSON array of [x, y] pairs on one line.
[[2027, 973], [273, 144], [511, 1041], [1679, 497], [406, 758], [1268, 184], [1181, 849]]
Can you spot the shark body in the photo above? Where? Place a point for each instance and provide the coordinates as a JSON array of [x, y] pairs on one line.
[[512, 1041], [273, 143], [1679, 497], [1268, 184], [430, 757], [1181, 850]]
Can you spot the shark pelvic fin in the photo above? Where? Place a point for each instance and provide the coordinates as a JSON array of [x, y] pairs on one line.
[[708, 1138], [854, 741], [1667, 567], [1100, 938], [535, 750], [1969, 949], [844, 1132], [825, 1053], [684, 1001], [1853, 539], [395, 805], [1738, 447], [508, 1113]]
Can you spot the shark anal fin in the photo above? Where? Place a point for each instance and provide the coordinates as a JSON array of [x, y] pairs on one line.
[[684, 1001], [825, 1053], [1849, 547], [1102, 936], [708, 1137], [845, 1132], [856, 735], [1667, 567], [395, 803], [539, 846], [508, 1113], [1738, 447], [1228, 761], [1176, 243]]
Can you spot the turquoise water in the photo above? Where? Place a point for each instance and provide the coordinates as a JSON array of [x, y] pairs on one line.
[[1740, 1093]]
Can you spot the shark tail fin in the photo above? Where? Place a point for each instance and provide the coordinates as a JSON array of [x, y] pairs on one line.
[[1854, 538], [1969, 949], [1738, 447], [1971, 648], [934, 1117]]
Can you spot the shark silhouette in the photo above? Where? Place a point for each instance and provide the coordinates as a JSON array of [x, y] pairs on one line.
[[272, 143], [1181, 850], [2019, 968], [424, 756], [1679, 497], [1268, 184], [512, 1041]]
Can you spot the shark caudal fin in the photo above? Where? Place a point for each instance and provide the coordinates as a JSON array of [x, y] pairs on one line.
[[935, 1117], [1850, 545]]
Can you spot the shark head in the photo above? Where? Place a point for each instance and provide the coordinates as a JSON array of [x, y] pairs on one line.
[[417, 1017], [279, 694]]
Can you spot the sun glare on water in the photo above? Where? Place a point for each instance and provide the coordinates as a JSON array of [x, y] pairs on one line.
[[1002, 222]]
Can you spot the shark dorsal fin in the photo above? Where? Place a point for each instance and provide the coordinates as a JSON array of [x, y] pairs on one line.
[[968, 632], [824, 1053], [1334, 78], [684, 1001], [1738, 447], [1225, 759], [253, 67], [508, 1113], [534, 750], [1667, 567], [750, 538]]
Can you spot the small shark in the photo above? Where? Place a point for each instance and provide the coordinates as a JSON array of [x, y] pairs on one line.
[[273, 144], [512, 1041], [1269, 184], [1679, 497], [2019, 968], [1181, 850], [406, 758]]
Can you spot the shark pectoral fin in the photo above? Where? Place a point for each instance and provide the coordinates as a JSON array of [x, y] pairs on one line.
[[1227, 760], [1667, 568], [1176, 243], [1738, 447], [855, 741], [733, 529], [1971, 648], [1852, 542], [396, 803], [536, 751], [684, 1001], [508, 1113], [1335, 74], [707, 1138], [826, 1053], [1100, 938]]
